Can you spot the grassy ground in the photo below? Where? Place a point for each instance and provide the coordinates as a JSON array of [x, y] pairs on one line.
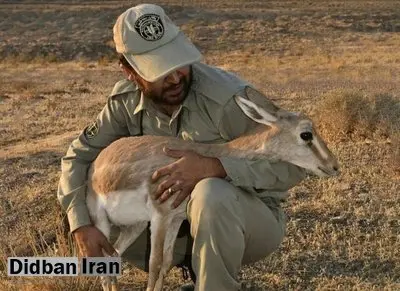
[[335, 60]]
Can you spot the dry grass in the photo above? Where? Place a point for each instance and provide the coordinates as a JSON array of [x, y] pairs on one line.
[[336, 60], [60, 245], [396, 153]]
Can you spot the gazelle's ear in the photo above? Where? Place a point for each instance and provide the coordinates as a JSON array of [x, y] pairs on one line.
[[254, 112]]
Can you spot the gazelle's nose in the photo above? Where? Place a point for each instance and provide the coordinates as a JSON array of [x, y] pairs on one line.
[[330, 168], [335, 167]]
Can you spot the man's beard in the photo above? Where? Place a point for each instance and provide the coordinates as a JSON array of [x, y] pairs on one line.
[[164, 98]]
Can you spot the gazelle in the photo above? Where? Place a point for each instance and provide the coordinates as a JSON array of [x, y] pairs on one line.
[[121, 193]]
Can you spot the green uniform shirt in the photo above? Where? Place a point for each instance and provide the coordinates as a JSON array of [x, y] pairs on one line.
[[209, 114]]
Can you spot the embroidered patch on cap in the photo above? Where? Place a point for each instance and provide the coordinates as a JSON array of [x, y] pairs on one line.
[[92, 130], [150, 27]]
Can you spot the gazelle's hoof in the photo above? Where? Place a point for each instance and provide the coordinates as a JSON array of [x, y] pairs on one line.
[[187, 287], [109, 284]]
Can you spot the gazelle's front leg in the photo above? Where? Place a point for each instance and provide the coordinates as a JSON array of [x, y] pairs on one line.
[[158, 225], [169, 244]]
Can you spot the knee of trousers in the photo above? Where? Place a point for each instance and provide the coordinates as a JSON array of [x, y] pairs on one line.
[[210, 195]]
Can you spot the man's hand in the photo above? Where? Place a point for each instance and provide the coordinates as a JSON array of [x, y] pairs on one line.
[[184, 174], [91, 242]]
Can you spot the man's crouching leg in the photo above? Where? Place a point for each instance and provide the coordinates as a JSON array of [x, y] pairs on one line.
[[229, 227]]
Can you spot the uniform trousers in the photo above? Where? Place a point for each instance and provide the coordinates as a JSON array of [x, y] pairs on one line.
[[229, 227]]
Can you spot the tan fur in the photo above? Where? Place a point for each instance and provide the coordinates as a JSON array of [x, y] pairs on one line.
[[133, 155]]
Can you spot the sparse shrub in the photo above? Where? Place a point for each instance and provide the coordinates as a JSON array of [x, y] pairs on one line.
[[353, 115], [343, 114], [387, 115], [388, 125]]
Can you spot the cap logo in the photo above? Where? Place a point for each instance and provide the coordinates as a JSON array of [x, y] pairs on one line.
[[150, 27]]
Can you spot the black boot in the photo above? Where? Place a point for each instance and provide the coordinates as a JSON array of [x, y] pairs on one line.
[[187, 287], [187, 272], [186, 265]]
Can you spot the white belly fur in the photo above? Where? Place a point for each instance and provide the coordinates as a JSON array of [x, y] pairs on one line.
[[126, 207]]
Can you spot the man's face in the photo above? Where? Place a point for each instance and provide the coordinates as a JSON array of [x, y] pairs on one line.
[[171, 90]]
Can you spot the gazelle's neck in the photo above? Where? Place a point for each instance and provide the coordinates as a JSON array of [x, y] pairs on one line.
[[249, 146]]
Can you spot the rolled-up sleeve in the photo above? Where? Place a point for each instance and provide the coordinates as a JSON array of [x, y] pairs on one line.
[[108, 127], [259, 174]]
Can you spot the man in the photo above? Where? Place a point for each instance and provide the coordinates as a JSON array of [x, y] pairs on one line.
[[234, 209]]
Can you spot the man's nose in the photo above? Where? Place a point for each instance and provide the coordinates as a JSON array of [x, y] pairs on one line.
[[173, 78]]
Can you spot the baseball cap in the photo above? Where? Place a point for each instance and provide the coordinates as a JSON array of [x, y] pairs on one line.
[[152, 44]]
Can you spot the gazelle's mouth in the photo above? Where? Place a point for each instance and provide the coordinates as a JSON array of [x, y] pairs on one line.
[[328, 172]]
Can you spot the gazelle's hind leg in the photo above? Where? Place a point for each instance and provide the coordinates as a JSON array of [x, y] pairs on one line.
[[100, 220], [127, 236], [109, 283], [99, 217], [169, 244], [120, 212]]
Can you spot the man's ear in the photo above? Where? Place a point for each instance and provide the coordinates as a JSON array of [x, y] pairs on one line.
[[128, 73]]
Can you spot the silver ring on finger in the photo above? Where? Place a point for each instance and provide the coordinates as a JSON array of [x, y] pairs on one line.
[[170, 191]]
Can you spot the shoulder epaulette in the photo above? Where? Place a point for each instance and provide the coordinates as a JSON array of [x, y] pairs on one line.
[[218, 85]]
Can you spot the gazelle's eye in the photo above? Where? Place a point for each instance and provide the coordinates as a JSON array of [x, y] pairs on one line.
[[306, 136]]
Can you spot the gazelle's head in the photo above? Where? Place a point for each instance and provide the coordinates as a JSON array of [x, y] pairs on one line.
[[295, 139]]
